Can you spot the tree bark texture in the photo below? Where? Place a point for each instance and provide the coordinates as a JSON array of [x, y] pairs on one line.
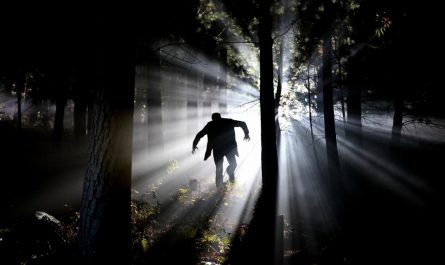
[[104, 230]]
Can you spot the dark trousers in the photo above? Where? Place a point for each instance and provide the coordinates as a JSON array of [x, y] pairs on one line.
[[219, 160]]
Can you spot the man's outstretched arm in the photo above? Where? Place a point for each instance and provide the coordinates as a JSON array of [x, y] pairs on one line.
[[243, 126], [197, 138]]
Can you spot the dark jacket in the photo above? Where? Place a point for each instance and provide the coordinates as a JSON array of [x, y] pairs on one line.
[[221, 136]]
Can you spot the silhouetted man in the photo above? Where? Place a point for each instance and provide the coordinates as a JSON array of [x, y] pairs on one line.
[[221, 139]]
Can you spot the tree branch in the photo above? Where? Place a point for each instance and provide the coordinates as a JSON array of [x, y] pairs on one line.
[[252, 101], [286, 31], [179, 58]]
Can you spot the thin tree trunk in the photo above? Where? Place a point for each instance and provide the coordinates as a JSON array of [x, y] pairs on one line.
[[318, 84], [90, 112], [192, 104], [353, 100], [279, 88], [261, 240], [269, 158], [222, 80], [267, 103], [328, 106], [342, 102], [104, 229], [154, 104], [83, 101], [354, 126], [340, 83], [20, 87], [397, 120], [309, 101], [80, 118], [19, 107], [58, 117], [207, 109]]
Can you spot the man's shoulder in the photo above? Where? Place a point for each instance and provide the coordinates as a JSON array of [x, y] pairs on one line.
[[234, 122], [209, 125], [228, 120]]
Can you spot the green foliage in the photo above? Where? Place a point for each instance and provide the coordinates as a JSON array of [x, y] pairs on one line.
[[384, 23], [221, 25], [207, 13], [353, 5], [219, 242], [214, 241], [183, 195], [172, 166], [144, 245], [143, 211], [182, 191], [143, 216]]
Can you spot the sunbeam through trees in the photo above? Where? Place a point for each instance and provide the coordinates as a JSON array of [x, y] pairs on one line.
[[107, 114]]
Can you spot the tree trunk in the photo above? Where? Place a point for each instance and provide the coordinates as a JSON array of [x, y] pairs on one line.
[[340, 81], [261, 241], [83, 100], [343, 112], [154, 104], [279, 88], [192, 104], [207, 109], [309, 100], [222, 80], [20, 87], [397, 120], [269, 159], [328, 106], [59, 116], [80, 118], [318, 84], [104, 229], [354, 126], [90, 112]]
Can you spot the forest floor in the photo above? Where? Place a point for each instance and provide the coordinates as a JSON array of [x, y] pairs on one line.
[[388, 210]]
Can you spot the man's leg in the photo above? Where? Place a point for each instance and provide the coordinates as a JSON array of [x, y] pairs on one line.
[[232, 166], [219, 159]]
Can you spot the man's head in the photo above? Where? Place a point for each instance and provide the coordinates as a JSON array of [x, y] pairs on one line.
[[216, 116]]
